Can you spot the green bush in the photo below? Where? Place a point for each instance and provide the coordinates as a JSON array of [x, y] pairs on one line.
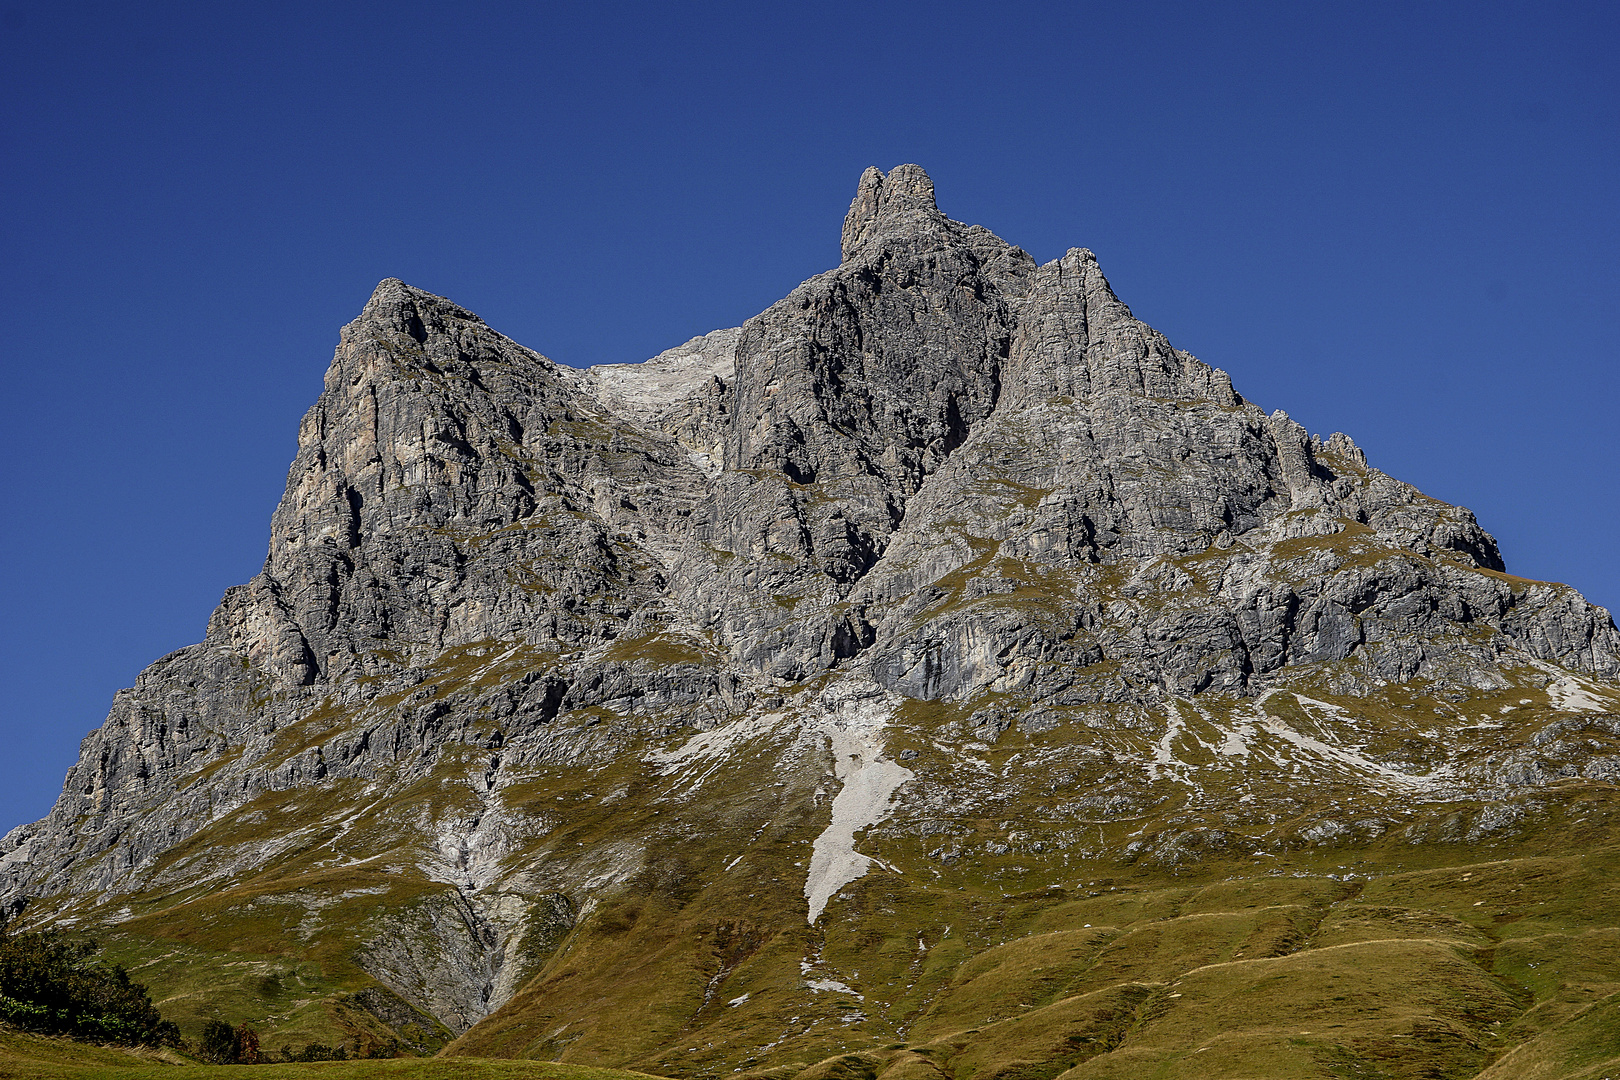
[[48, 984], [322, 1052]]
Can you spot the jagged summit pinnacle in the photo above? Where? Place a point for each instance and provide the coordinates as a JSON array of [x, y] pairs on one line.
[[902, 200], [401, 308]]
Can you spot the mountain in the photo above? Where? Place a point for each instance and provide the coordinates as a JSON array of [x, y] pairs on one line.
[[938, 674]]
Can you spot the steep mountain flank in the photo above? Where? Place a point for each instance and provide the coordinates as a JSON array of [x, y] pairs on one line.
[[757, 703]]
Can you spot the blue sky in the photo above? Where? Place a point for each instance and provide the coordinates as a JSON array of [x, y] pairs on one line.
[[1393, 219]]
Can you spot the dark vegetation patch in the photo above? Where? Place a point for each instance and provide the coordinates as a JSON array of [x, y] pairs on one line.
[[51, 985]]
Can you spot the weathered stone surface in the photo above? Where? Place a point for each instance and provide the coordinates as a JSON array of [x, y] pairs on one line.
[[937, 474]]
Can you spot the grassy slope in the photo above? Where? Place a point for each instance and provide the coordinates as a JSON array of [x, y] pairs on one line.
[[1026, 965], [1428, 969], [1432, 972], [33, 1057], [1266, 955], [1427, 964]]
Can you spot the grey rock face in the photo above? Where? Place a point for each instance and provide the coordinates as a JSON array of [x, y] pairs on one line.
[[939, 466]]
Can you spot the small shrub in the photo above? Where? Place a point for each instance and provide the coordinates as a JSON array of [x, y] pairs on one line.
[[247, 1046], [218, 1043], [390, 1049], [322, 1052]]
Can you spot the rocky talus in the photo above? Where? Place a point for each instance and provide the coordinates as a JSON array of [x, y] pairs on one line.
[[676, 715]]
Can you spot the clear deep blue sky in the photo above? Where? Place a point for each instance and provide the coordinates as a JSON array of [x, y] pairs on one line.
[[1394, 219]]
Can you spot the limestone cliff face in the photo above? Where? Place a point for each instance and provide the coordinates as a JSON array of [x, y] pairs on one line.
[[938, 477]]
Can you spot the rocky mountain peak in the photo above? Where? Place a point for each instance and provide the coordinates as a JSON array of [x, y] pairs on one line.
[[395, 307], [547, 669], [886, 206]]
